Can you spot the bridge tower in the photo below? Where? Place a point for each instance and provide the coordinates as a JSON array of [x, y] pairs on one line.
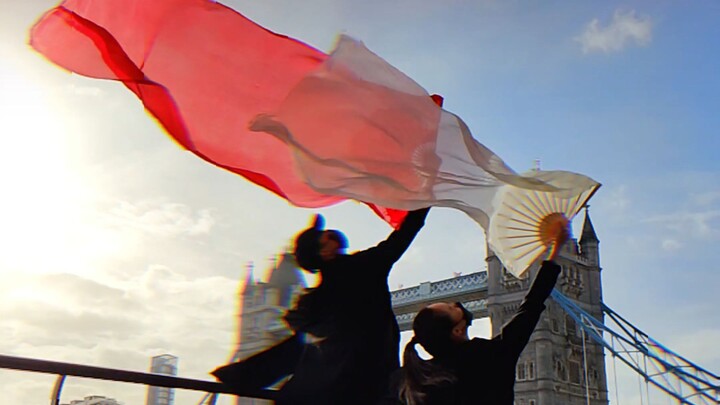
[[263, 305], [558, 366]]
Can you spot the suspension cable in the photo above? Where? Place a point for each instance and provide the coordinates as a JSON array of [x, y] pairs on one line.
[[585, 367], [614, 356], [639, 383]]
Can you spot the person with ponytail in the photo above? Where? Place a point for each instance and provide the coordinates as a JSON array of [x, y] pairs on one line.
[[464, 371]]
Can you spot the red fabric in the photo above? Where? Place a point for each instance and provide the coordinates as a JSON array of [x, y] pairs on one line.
[[203, 70]]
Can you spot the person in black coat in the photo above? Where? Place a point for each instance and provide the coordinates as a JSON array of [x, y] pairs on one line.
[[346, 339], [467, 371]]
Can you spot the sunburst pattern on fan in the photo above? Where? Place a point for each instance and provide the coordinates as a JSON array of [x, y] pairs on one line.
[[526, 223]]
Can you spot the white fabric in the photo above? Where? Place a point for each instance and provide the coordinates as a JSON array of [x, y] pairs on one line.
[[361, 129]]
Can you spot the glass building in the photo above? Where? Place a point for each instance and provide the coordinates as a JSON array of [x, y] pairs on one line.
[[164, 364]]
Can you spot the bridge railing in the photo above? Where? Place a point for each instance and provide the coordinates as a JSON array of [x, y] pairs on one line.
[[440, 289], [62, 370]]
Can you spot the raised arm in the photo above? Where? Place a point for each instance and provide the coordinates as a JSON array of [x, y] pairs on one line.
[[392, 248], [516, 333]]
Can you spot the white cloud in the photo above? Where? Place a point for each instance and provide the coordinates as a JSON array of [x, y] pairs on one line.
[[161, 218], [117, 324], [618, 199], [625, 28], [671, 245], [706, 198], [690, 223]]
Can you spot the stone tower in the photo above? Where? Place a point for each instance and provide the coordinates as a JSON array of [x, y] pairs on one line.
[[553, 367], [263, 305]]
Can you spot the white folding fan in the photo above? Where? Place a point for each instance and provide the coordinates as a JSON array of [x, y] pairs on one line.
[[525, 223]]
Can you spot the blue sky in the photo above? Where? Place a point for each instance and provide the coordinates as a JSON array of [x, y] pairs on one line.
[[102, 201]]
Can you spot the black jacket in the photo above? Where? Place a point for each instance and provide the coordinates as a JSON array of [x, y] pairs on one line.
[[485, 369], [352, 311]]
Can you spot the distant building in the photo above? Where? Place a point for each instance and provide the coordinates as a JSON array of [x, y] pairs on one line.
[[94, 400], [164, 364], [263, 305]]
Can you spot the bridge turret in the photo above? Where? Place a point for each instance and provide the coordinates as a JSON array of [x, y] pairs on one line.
[[249, 287], [504, 291], [589, 242], [263, 303]]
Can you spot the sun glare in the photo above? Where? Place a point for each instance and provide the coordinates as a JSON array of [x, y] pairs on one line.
[[38, 185]]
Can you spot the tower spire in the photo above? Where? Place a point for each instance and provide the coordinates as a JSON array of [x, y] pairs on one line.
[[588, 231], [249, 278]]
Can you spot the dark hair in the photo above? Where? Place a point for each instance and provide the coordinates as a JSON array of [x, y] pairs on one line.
[[433, 331], [307, 246], [307, 250]]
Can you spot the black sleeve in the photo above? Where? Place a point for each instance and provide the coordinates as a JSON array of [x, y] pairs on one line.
[[516, 333], [265, 368], [391, 249], [392, 394]]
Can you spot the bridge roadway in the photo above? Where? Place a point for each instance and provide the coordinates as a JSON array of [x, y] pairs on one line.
[[470, 289]]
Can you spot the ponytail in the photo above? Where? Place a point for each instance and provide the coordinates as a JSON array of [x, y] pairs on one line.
[[432, 331], [415, 373]]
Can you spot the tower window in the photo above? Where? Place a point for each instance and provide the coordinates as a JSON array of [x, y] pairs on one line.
[[560, 372], [570, 328], [574, 367], [555, 325]]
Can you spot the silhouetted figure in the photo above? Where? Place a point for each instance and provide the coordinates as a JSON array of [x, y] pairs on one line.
[[467, 371], [346, 339]]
